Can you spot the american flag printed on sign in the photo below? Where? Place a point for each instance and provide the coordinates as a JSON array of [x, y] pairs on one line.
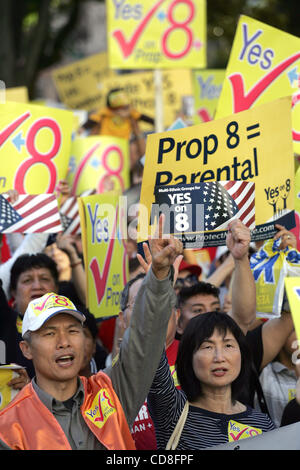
[[220, 201], [69, 213], [243, 195], [224, 201], [36, 213]]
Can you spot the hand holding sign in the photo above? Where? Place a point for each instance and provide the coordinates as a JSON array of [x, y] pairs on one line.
[[13, 195], [287, 237], [238, 239], [18, 382]]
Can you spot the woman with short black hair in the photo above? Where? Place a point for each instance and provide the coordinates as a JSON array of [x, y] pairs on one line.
[[213, 364]]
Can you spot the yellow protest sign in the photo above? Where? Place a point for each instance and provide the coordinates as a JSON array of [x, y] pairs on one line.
[[140, 89], [79, 84], [160, 34], [270, 266], [7, 373], [207, 86], [100, 163], [84, 85], [297, 191], [242, 146], [296, 231], [292, 287], [262, 67], [34, 147], [18, 94], [103, 226]]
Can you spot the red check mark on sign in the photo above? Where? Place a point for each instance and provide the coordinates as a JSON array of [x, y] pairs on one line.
[[239, 435], [204, 115], [107, 398], [241, 100], [128, 46], [81, 166], [100, 281], [5, 134]]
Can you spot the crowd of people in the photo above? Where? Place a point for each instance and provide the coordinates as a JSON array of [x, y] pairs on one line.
[[187, 364]]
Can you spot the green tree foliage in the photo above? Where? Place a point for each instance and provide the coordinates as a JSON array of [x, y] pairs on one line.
[[33, 32], [29, 38], [223, 16]]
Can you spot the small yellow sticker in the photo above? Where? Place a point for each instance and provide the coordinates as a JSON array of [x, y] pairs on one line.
[[237, 431]]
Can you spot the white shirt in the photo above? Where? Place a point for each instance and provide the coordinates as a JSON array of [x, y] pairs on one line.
[[279, 387]]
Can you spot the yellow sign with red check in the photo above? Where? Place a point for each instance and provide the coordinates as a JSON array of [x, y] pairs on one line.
[[103, 227], [263, 66], [144, 34], [207, 86], [100, 163], [34, 147]]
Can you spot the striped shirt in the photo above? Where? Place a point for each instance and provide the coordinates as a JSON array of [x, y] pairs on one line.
[[202, 428]]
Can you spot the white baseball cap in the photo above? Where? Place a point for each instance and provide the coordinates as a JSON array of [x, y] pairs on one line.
[[41, 309]]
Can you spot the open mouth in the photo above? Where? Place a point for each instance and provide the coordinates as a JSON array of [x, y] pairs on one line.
[[65, 361], [219, 372], [36, 296]]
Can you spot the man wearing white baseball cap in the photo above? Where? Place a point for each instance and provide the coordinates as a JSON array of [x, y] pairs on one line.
[[43, 308], [58, 410]]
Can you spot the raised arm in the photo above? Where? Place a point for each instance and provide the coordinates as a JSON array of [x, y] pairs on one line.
[[275, 333], [144, 340], [243, 285]]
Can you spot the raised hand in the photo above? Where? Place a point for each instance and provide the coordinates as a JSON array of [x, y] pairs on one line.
[[164, 251], [238, 239], [146, 263], [287, 238]]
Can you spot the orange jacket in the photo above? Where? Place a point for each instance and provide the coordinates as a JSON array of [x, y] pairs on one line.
[[27, 424]]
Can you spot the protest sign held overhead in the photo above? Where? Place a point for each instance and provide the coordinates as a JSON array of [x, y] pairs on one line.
[[140, 90], [271, 266], [84, 85], [79, 84], [103, 228], [144, 34], [30, 214], [240, 147], [193, 209], [100, 163], [34, 147], [263, 66], [207, 86]]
